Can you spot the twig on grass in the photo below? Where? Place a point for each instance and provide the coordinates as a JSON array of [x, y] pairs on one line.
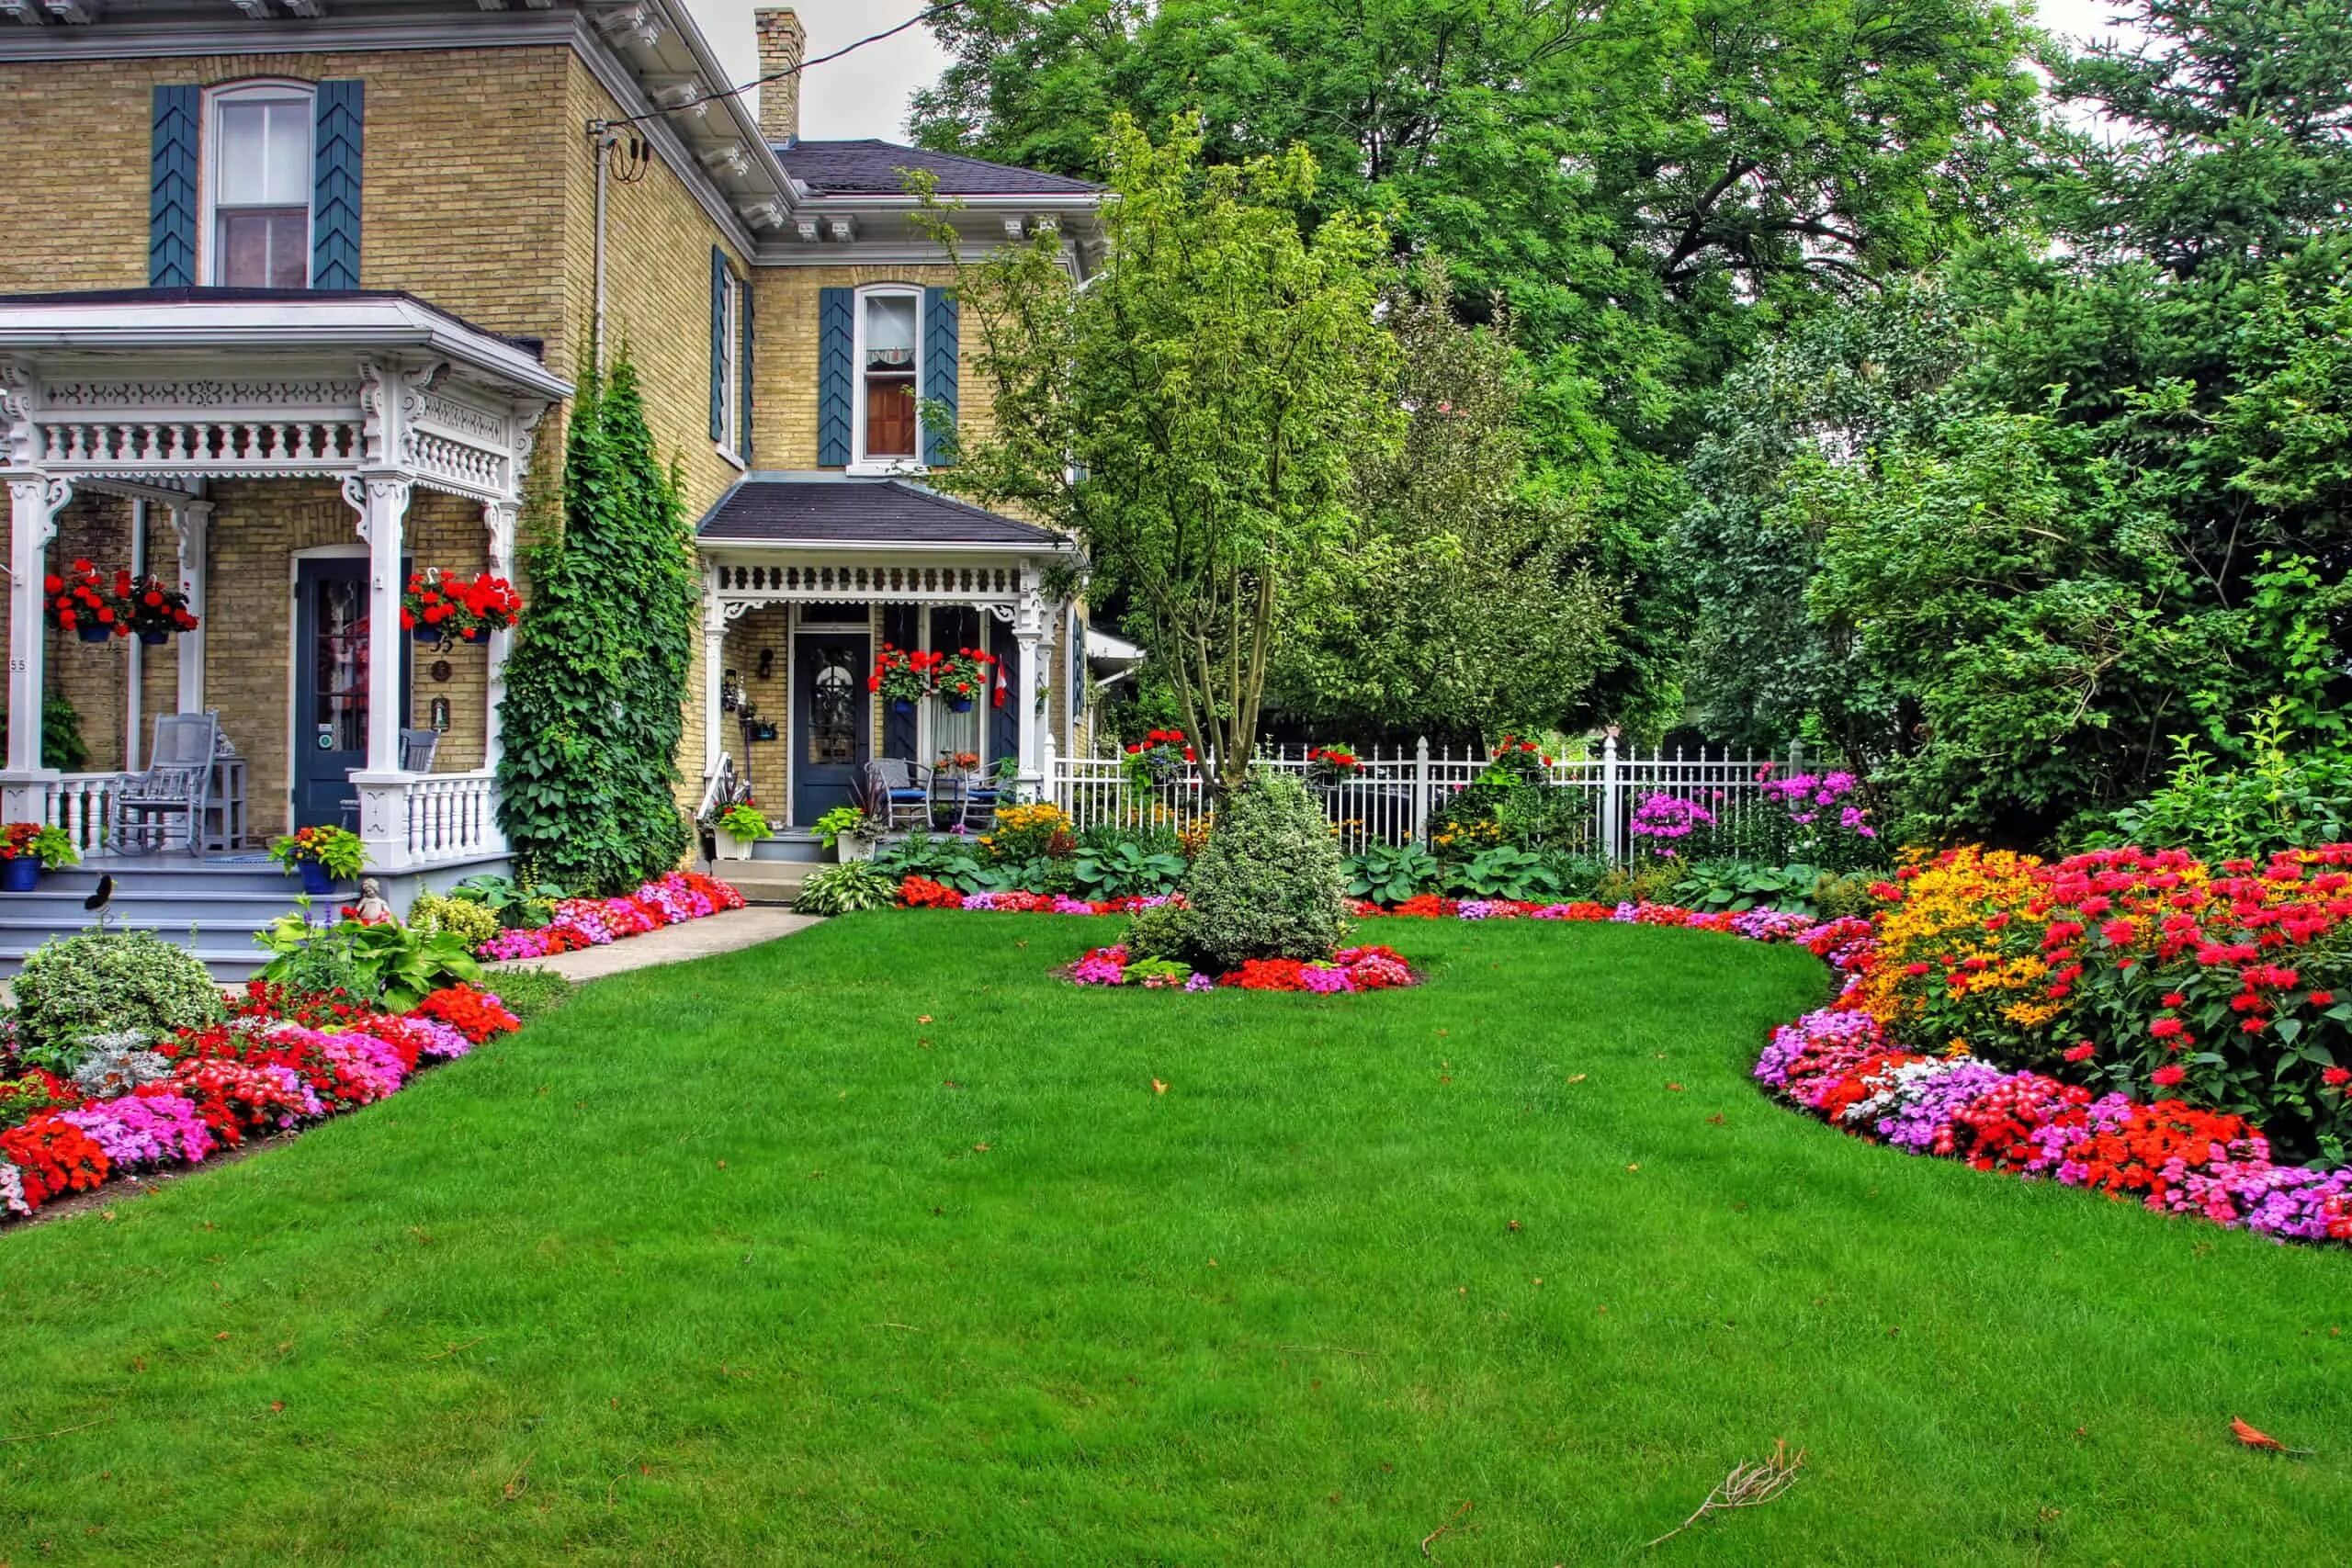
[[907, 1327], [455, 1349], [1442, 1529], [37, 1437], [1747, 1486], [1334, 1349], [520, 1482]]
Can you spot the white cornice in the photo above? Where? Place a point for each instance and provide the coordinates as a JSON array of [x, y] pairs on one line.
[[232, 35]]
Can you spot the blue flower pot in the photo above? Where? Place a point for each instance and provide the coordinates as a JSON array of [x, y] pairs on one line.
[[960, 704], [93, 631], [424, 633], [315, 880], [902, 704], [21, 874], [155, 637]]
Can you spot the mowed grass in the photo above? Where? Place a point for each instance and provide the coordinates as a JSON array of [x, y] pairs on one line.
[[877, 1245]]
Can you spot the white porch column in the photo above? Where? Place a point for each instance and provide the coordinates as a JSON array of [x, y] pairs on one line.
[[34, 501], [498, 516], [192, 523], [713, 671], [380, 497], [1028, 628]]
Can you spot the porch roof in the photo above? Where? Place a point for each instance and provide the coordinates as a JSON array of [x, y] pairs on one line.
[[828, 510], [116, 323]]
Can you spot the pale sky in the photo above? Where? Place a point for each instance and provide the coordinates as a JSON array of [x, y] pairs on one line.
[[866, 94]]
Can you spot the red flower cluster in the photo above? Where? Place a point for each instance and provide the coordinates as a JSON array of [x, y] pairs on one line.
[[474, 1013], [459, 608], [922, 893], [1159, 738], [1512, 743], [902, 674], [85, 597]]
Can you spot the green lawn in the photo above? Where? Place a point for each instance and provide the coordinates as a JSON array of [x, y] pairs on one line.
[[745, 1262]]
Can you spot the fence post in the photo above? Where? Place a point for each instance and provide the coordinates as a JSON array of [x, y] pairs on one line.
[[1612, 786], [1048, 787], [1420, 789], [1796, 756]]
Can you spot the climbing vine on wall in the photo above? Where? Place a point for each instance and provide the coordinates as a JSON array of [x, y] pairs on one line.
[[596, 687]]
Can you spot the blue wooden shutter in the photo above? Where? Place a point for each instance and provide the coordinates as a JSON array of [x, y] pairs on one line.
[[939, 350], [171, 201], [744, 382], [836, 340], [902, 627], [1004, 723], [337, 137], [718, 344]]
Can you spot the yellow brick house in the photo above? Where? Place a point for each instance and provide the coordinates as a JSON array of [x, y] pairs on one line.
[[289, 287]]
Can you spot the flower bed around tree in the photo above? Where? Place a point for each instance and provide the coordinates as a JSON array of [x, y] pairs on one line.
[[592, 922], [278, 1064]]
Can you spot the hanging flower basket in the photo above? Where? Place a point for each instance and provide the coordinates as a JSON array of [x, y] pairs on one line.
[[85, 603], [157, 611], [902, 676], [962, 677], [443, 608]]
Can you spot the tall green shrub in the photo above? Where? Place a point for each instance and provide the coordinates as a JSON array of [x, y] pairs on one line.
[[596, 688]]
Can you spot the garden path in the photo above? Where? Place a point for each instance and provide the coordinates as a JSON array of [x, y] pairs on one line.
[[671, 945]]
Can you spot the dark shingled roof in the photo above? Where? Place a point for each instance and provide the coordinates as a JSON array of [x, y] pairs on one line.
[[831, 509], [874, 168], [535, 347]]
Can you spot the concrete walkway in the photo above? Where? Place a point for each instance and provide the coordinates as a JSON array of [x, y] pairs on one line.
[[671, 945]]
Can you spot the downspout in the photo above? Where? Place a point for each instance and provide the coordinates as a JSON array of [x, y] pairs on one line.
[[600, 136]]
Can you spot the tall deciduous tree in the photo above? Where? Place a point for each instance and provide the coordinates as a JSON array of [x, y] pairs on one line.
[[1189, 416], [1463, 602], [596, 686]]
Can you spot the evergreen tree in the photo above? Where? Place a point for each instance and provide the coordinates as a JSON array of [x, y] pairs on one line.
[[596, 687]]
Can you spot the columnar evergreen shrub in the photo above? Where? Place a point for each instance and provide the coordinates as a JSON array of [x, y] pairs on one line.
[[106, 983], [1270, 883], [596, 688]]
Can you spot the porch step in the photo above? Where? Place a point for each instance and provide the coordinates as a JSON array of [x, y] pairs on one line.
[[213, 910], [765, 881], [789, 845]]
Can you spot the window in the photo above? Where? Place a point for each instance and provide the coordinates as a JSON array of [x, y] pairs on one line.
[[731, 367], [259, 178], [889, 325], [955, 734]]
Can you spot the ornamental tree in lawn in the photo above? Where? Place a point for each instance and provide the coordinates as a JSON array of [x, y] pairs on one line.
[[1189, 416], [596, 687]]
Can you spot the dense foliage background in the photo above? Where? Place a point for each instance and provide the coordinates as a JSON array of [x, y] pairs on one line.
[[1886, 376]]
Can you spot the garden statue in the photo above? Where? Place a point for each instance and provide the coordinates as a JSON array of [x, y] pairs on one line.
[[371, 910]]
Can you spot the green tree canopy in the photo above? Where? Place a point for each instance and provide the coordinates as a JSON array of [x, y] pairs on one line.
[[1189, 416]]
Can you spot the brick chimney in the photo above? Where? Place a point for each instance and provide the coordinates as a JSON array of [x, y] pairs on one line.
[[783, 43]]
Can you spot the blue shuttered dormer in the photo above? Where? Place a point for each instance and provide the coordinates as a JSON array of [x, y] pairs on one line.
[[170, 203], [836, 339], [940, 334], [336, 144]]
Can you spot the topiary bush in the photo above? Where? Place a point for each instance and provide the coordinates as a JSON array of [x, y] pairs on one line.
[[1270, 883], [105, 983]]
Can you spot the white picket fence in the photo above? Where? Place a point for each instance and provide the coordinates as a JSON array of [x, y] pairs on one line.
[[1390, 800]]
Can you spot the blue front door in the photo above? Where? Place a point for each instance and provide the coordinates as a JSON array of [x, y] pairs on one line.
[[829, 720], [331, 687]]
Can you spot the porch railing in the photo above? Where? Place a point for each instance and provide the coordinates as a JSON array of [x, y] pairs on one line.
[[82, 804], [1390, 800], [441, 817]]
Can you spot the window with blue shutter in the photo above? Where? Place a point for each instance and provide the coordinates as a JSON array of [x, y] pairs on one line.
[[334, 195], [939, 352], [171, 202], [836, 346], [743, 380], [718, 345]]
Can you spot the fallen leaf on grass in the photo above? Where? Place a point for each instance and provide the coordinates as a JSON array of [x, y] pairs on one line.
[[1716, 1119], [1158, 1087], [1578, 1078], [1674, 1088], [923, 1018]]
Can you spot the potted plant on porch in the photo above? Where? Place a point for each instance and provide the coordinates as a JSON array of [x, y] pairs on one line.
[[84, 604], [962, 677], [323, 856], [738, 827], [443, 607], [28, 849]]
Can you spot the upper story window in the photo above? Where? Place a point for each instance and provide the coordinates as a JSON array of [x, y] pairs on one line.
[[258, 178], [889, 357]]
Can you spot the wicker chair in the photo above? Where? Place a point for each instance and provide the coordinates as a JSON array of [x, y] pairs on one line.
[[176, 785]]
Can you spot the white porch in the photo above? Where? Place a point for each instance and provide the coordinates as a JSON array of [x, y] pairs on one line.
[[248, 442]]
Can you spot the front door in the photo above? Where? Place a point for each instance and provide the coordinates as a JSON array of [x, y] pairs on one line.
[[331, 687], [829, 720]]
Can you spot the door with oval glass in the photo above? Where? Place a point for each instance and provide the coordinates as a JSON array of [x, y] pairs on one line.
[[830, 719]]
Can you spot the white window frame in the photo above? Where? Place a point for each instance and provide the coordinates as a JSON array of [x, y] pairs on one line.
[[859, 462], [730, 380], [208, 180]]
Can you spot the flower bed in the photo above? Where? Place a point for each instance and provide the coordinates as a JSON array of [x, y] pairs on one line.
[[1350, 969], [271, 1068], [592, 922]]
